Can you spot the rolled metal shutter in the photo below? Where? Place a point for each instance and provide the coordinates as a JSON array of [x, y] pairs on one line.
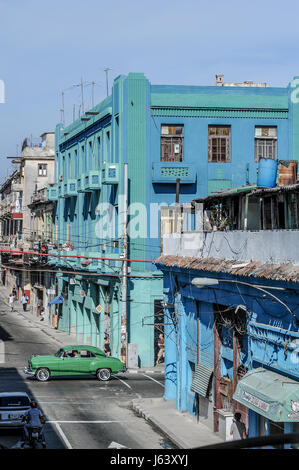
[[201, 379]]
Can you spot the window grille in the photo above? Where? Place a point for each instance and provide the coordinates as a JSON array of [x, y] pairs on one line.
[[219, 144], [172, 143], [265, 143]]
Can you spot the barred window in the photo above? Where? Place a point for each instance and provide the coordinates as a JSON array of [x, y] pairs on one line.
[[265, 143], [172, 145], [219, 144]]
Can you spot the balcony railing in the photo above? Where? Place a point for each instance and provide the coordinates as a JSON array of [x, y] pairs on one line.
[[39, 196]]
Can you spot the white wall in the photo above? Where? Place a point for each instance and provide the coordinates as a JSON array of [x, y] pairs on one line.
[[274, 246]]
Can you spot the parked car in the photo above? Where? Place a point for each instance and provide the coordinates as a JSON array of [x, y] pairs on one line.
[[74, 360], [13, 406]]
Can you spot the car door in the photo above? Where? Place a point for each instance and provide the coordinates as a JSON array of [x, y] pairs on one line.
[[70, 363], [87, 359]]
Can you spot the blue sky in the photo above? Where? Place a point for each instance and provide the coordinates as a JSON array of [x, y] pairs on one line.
[[47, 45]]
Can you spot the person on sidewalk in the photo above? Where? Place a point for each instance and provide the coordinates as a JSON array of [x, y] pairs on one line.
[[238, 428], [39, 307], [24, 301], [106, 348], [161, 345], [11, 301]]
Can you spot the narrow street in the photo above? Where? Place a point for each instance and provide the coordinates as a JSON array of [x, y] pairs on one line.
[[81, 413]]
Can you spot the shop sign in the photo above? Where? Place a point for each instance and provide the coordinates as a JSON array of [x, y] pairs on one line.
[[262, 405]]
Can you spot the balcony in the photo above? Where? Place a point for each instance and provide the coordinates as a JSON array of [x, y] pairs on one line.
[[91, 265], [91, 181], [264, 246], [168, 172], [110, 173], [17, 187], [70, 188], [52, 193], [39, 196]]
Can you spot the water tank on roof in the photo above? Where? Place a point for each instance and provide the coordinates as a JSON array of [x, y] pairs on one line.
[[267, 173]]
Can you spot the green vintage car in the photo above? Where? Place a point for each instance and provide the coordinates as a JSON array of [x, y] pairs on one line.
[[74, 360]]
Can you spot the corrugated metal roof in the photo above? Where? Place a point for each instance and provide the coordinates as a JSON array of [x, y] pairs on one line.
[[290, 187], [201, 379], [228, 192], [257, 269], [252, 189]]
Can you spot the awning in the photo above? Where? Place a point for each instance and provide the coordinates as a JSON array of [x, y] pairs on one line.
[[201, 379], [269, 394], [57, 300]]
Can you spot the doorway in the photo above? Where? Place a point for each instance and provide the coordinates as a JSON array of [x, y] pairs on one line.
[[158, 325]]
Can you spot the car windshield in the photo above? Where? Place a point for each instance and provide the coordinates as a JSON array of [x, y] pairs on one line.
[[59, 353], [14, 401]]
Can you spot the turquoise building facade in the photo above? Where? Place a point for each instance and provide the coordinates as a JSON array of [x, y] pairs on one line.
[[204, 136]]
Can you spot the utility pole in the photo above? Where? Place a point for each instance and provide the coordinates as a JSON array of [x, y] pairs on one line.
[[107, 87], [124, 291]]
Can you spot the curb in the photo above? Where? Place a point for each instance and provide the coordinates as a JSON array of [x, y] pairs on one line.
[[137, 407]]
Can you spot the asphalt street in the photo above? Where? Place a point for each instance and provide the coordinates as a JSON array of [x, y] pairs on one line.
[[81, 413]]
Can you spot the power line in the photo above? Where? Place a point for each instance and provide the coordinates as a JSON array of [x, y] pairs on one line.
[[74, 256]]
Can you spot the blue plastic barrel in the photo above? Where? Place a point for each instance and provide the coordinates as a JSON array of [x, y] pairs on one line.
[[267, 173]]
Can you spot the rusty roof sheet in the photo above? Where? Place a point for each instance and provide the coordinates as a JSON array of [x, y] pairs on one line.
[[276, 272]]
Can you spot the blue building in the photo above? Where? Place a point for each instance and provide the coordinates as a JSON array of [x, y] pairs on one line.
[[232, 310], [208, 138]]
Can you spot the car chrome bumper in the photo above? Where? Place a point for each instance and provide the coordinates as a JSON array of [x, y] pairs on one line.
[[28, 372], [11, 424]]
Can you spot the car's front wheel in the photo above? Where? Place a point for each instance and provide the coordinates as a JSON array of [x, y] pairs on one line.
[[42, 374], [103, 374]]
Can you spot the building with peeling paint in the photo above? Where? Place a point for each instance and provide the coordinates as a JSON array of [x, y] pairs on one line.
[[232, 310]]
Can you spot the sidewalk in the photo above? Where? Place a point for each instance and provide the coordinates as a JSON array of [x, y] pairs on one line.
[[61, 337], [180, 427]]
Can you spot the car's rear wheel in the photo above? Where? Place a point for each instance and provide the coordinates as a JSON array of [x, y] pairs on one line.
[[103, 374], [42, 374]]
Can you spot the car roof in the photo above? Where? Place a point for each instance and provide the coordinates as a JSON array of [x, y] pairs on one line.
[[83, 347], [14, 394]]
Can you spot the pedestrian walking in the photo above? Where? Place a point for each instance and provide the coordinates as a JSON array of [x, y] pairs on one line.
[[238, 428], [24, 301], [14, 292], [161, 345], [39, 307], [106, 348], [11, 301]]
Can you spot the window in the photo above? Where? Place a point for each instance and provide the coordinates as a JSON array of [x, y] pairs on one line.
[[265, 143], [42, 169], [172, 143], [99, 153], [219, 143], [87, 354]]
